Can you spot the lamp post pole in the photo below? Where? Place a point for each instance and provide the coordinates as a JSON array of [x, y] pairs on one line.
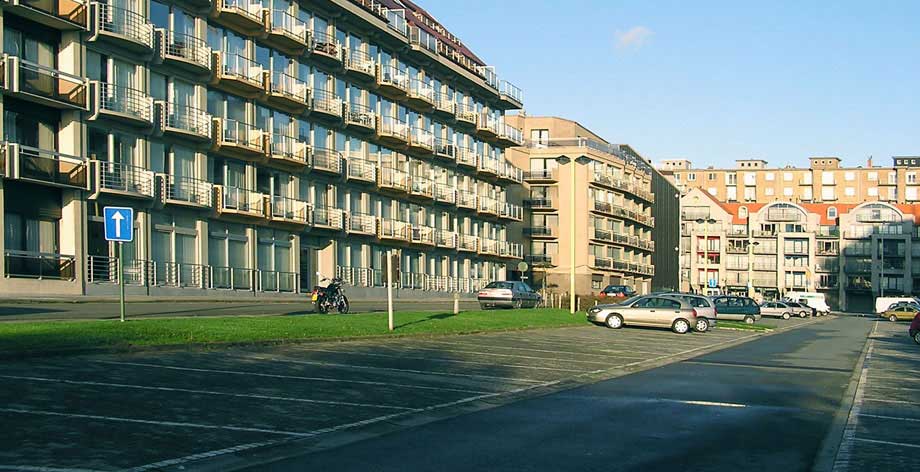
[[750, 280], [573, 183], [705, 222]]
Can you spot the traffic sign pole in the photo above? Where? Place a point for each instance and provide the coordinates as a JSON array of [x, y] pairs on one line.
[[121, 279]]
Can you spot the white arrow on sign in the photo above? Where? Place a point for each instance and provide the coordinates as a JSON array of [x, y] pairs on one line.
[[117, 218]]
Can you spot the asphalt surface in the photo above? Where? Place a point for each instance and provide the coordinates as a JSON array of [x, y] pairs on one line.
[[764, 405], [216, 410]]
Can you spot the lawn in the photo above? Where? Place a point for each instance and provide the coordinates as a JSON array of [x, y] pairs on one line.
[[65, 335]]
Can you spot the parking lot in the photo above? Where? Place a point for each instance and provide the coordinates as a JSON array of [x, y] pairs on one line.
[[164, 409], [883, 430]]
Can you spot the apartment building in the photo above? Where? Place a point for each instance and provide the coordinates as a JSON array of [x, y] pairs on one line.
[[263, 144], [609, 186], [851, 252], [824, 181]]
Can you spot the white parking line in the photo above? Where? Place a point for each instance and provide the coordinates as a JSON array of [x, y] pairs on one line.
[[529, 349], [885, 400], [201, 455], [894, 388], [887, 443], [158, 423], [293, 377], [203, 392], [463, 351], [884, 417], [706, 403], [42, 468]]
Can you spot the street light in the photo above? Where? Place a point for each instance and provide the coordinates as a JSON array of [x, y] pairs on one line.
[[680, 270], [562, 161], [707, 222], [750, 284]]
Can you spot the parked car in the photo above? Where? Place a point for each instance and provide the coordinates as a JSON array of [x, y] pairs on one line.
[[903, 303], [914, 329], [508, 294], [800, 309], [900, 313], [617, 291], [779, 310], [706, 314], [737, 308], [814, 300], [884, 303], [663, 311]]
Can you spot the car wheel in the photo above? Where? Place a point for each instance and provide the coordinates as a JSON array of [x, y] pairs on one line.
[[614, 322], [702, 325], [802, 314], [917, 337], [892, 318], [786, 316], [680, 326], [517, 304], [483, 307], [749, 319]]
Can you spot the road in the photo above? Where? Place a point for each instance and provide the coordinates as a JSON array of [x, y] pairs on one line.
[[764, 405]]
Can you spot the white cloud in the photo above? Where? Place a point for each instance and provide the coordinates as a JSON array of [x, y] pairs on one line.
[[633, 38]]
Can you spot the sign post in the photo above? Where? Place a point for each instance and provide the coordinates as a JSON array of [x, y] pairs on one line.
[[119, 227], [390, 289]]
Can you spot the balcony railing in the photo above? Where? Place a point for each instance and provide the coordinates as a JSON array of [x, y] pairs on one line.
[[510, 135], [511, 249], [445, 193], [241, 72], [391, 79], [184, 49], [277, 281], [466, 113], [488, 205], [393, 179], [511, 94], [487, 125], [422, 139], [327, 160], [125, 179], [444, 103], [540, 175], [39, 265], [467, 199], [420, 186], [125, 25], [394, 229], [358, 115], [326, 47], [546, 232], [241, 201], [421, 92], [421, 234], [327, 217], [488, 246], [393, 129], [467, 242], [60, 14], [241, 14], [362, 223], [185, 120], [444, 238], [125, 102], [289, 92], [423, 39], [241, 139], [507, 171], [540, 260], [46, 85], [361, 169], [289, 150], [288, 32], [539, 203], [467, 157], [187, 190], [360, 62], [231, 278], [43, 166], [289, 210], [327, 103], [445, 148]]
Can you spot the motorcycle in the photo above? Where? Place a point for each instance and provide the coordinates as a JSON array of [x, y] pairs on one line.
[[331, 297]]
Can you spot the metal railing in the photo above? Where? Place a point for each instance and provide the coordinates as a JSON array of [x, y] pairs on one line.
[[421, 186], [445, 193], [360, 61], [395, 229], [290, 209], [540, 174], [512, 134], [467, 157], [47, 82], [445, 148], [466, 112], [288, 25], [104, 270], [188, 190], [328, 217], [539, 203], [327, 160], [241, 67], [422, 138], [443, 238], [421, 234], [488, 122], [126, 23], [69, 10], [125, 100], [361, 115], [393, 127], [421, 90], [248, 8], [290, 148], [177, 274], [186, 118], [467, 198], [243, 134], [290, 87], [186, 47], [125, 178], [423, 39], [393, 178], [614, 150], [230, 278], [362, 223], [327, 102], [39, 265], [276, 281], [242, 200], [326, 45], [393, 77], [510, 91], [51, 167], [467, 242], [361, 169]]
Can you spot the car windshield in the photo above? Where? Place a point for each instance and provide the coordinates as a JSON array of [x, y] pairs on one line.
[[507, 285]]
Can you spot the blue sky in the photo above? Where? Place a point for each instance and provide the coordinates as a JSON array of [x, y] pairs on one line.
[[712, 81]]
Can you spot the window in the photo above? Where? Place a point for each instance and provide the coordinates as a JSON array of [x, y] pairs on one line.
[[827, 193], [806, 194], [750, 178], [827, 178], [787, 176], [892, 178], [911, 177], [540, 137], [750, 194], [872, 191], [713, 191], [731, 194], [910, 194], [595, 284], [831, 213], [787, 191], [849, 191], [873, 176], [768, 191], [849, 176], [769, 176], [742, 212], [691, 176], [731, 179], [711, 176]]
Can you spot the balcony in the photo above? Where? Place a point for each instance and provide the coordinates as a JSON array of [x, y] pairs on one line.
[[444, 105], [39, 265], [65, 15], [288, 93], [360, 117], [327, 161], [239, 203], [289, 152], [540, 175], [243, 16], [510, 173], [467, 199], [326, 105], [361, 170], [393, 180], [421, 94], [487, 126], [466, 114], [489, 247], [44, 85], [444, 193], [122, 28], [510, 211], [829, 232], [326, 49], [238, 74], [183, 122], [510, 250], [445, 149], [510, 136], [541, 232], [360, 65], [187, 191], [329, 218], [421, 187], [488, 206], [394, 230], [121, 104], [468, 243], [784, 214], [423, 235], [239, 140], [393, 131], [44, 167], [539, 204], [510, 96], [360, 223], [287, 33], [183, 51], [289, 211], [467, 157], [540, 260], [421, 140], [446, 239], [123, 180], [602, 207], [392, 82], [421, 40]]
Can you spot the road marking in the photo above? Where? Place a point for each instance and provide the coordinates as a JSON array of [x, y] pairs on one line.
[[705, 403], [887, 443], [393, 369], [551, 351], [41, 468], [462, 351], [292, 377], [884, 417], [842, 461], [885, 400], [200, 455], [894, 388], [154, 422], [433, 359], [203, 392]]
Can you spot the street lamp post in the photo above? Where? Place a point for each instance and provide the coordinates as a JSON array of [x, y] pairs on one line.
[[563, 160], [750, 274], [705, 222]]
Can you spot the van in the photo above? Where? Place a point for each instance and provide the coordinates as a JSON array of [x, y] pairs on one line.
[[813, 299], [883, 303]]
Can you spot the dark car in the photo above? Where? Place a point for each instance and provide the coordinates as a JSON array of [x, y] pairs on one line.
[[508, 294], [617, 292], [737, 308], [914, 329]]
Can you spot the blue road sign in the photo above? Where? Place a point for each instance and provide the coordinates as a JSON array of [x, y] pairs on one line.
[[713, 283], [119, 224]]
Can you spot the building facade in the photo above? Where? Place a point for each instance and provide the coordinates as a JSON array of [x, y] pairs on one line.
[[609, 236], [263, 145]]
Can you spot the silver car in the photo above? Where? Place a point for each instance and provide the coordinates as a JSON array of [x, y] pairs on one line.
[[705, 309], [508, 294], [664, 311], [778, 310]]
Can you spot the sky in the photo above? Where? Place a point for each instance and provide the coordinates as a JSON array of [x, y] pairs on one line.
[[712, 81]]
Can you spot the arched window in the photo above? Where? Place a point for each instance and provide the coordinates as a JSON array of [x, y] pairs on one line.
[[742, 212], [832, 213]]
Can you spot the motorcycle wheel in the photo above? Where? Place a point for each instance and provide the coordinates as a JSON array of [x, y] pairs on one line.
[[343, 306], [321, 307]]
